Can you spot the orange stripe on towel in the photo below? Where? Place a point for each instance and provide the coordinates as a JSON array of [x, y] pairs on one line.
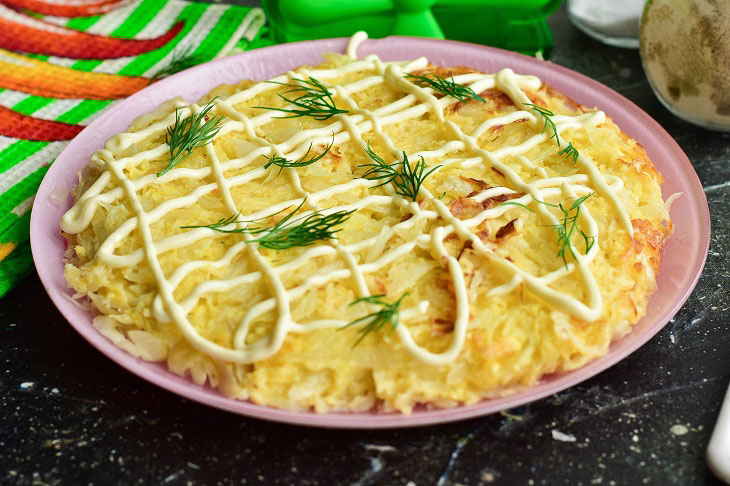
[[17, 125], [22, 33], [6, 249], [78, 8], [41, 78]]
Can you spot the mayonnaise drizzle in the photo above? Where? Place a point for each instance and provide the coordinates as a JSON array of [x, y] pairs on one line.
[[347, 127]]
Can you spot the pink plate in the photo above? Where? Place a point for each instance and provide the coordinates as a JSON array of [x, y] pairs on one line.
[[684, 254]]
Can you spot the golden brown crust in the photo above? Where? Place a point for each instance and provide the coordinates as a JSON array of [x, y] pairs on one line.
[[649, 239]]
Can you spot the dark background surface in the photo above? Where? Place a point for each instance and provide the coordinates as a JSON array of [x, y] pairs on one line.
[[69, 415]]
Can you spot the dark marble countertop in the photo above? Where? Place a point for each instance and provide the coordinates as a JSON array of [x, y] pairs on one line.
[[68, 415]]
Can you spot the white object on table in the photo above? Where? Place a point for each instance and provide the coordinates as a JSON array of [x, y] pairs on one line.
[[718, 450], [615, 23]]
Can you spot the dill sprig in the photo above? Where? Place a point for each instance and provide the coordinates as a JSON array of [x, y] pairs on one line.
[[567, 226], [407, 179], [189, 133], [315, 100], [546, 114], [570, 152], [446, 87], [302, 161], [181, 60], [288, 232], [220, 225], [379, 169], [515, 203], [379, 319]]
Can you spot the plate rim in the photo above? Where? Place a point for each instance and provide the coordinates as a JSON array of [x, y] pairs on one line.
[[159, 375]]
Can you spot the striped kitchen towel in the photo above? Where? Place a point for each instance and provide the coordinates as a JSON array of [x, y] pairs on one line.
[[62, 62]]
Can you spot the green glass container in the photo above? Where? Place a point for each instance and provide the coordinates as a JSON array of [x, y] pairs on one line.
[[517, 25]]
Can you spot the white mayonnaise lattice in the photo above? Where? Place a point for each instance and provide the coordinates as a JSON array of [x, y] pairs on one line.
[[348, 127]]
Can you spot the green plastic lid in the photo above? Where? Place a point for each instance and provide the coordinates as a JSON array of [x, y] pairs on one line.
[[517, 25]]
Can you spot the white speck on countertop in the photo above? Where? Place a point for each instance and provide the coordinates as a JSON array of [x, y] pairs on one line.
[[562, 437], [380, 448]]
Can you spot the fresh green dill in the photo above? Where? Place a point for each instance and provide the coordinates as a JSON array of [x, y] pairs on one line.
[[567, 226], [181, 60], [407, 179], [379, 169], [445, 86], [288, 232], [546, 115], [570, 152], [220, 225], [189, 133], [315, 100], [379, 319], [302, 161], [515, 203]]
